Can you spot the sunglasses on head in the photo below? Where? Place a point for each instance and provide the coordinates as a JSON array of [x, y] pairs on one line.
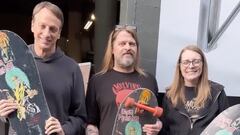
[[127, 27], [124, 27]]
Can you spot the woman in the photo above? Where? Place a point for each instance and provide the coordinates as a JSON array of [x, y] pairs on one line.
[[192, 101]]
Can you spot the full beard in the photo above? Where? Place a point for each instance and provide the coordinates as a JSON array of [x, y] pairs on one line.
[[127, 62]]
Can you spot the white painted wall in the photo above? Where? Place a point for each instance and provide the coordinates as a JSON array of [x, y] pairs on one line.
[[178, 28]]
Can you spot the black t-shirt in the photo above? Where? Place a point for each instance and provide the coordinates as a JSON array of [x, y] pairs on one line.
[[190, 93], [192, 110], [101, 96]]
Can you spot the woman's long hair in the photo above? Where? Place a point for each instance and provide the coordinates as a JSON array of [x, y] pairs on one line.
[[176, 91]]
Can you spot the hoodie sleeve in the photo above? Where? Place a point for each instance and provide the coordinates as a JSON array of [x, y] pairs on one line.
[[4, 120], [223, 101], [165, 128], [77, 112]]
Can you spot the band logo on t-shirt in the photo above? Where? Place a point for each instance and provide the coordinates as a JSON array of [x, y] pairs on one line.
[[122, 89], [124, 86], [191, 107]]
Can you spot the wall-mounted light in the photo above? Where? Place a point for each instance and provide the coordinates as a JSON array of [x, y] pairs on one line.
[[93, 17], [89, 22], [88, 25]]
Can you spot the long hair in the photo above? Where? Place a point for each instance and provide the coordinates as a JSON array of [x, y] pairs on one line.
[[108, 60], [176, 91], [50, 6]]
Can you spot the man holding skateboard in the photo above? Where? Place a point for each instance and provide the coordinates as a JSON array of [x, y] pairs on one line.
[[60, 75], [120, 74]]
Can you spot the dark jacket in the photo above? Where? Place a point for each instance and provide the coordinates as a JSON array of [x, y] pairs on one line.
[[178, 122]]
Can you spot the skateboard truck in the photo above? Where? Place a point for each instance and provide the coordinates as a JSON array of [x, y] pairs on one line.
[[156, 111]]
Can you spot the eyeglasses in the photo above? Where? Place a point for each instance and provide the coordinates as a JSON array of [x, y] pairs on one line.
[[195, 62]]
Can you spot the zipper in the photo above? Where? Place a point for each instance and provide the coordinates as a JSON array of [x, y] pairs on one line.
[[190, 121], [189, 118]]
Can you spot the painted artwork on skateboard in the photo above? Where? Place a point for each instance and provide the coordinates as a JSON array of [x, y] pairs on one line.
[[137, 108], [226, 123], [20, 82]]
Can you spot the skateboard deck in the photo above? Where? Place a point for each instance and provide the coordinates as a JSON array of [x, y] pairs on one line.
[[136, 109], [20, 82], [226, 123]]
